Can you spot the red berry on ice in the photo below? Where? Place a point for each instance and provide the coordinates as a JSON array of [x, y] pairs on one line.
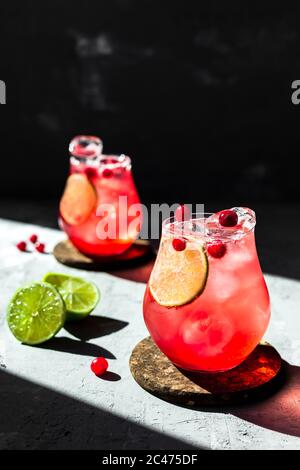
[[33, 238], [40, 247], [216, 249], [107, 173], [182, 213], [99, 365], [21, 246], [228, 218], [179, 244], [91, 172]]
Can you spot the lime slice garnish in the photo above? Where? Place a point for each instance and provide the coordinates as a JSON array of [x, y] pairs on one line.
[[80, 296], [178, 276], [36, 313], [79, 199]]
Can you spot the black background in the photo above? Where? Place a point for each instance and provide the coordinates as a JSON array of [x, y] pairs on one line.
[[197, 93]]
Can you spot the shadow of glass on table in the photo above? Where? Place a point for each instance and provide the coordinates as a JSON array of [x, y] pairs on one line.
[[279, 411], [35, 417], [263, 390]]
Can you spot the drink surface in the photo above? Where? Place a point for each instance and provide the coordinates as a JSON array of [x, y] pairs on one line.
[[220, 327], [105, 194]]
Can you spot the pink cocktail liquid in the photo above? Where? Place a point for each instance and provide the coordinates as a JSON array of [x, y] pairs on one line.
[[114, 223], [220, 328]]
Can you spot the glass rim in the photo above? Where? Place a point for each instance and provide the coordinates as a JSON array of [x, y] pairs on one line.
[[171, 220], [112, 161], [170, 224], [92, 143]]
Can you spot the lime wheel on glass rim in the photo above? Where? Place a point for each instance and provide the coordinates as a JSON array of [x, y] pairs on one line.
[[79, 199], [178, 277]]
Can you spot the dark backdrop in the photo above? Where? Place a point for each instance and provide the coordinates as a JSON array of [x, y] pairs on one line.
[[197, 93]]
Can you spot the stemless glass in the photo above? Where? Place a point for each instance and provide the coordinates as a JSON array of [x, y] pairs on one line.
[[100, 209], [207, 313]]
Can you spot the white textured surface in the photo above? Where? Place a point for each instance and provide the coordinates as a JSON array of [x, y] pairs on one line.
[[45, 410]]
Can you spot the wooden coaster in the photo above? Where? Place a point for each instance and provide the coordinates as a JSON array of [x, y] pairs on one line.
[[258, 376], [66, 253]]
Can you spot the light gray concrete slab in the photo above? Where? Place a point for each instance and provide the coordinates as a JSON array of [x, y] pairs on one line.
[[50, 399]]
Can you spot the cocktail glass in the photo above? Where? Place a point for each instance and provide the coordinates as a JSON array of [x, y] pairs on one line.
[[207, 312], [100, 209]]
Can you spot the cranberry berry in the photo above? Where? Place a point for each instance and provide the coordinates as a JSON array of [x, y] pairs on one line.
[[99, 366], [228, 218], [107, 173], [21, 246], [40, 247], [216, 249], [179, 244], [182, 213], [91, 172], [33, 238]]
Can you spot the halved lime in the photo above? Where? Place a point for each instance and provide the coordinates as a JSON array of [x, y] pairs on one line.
[[80, 296], [36, 313]]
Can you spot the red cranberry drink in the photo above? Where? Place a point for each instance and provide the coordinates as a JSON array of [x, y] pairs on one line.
[[206, 305], [100, 209]]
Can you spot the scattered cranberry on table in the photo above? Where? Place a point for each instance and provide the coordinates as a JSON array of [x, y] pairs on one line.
[[216, 249], [40, 247], [99, 366], [179, 244], [228, 218], [22, 246], [33, 238]]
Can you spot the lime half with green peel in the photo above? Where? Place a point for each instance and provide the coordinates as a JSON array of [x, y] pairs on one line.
[[81, 297], [36, 313]]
